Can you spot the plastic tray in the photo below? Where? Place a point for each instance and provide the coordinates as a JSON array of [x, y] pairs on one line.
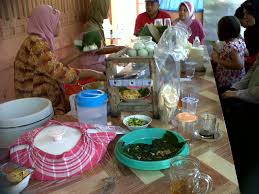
[[146, 136]]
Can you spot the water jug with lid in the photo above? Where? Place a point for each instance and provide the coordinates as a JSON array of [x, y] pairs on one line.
[[92, 106]]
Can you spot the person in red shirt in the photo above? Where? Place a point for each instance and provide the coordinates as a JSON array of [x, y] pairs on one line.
[[148, 17]]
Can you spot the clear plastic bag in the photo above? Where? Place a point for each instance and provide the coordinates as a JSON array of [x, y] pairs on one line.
[[172, 47]]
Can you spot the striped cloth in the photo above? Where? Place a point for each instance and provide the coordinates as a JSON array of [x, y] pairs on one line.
[[85, 155]]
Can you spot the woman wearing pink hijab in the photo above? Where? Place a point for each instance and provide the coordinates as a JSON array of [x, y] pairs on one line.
[[37, 72], [44, 22], [187, 16]]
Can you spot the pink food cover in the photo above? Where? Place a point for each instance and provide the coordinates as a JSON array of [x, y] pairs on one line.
[[88, 151]]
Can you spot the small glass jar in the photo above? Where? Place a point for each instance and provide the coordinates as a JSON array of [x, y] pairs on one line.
[[186, 124]]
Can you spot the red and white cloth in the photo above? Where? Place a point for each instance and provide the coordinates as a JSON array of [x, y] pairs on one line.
[[88, 151]]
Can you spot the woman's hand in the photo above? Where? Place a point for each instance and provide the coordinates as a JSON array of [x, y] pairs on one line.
[[229, 94], [84, 73]]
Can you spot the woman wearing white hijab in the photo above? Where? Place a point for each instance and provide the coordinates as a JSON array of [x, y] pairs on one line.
[[187, 16]]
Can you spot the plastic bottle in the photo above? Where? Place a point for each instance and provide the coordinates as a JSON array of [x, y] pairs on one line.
[[196, 42], [111, 37]]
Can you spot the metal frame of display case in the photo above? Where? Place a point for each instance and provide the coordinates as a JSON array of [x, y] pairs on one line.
[[139, 105]]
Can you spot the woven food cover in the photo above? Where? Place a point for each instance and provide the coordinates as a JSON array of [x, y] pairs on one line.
[[77, 151]]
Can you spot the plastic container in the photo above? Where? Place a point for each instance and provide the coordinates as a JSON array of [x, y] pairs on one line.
[[92, 106], [21, 115], [189, 104], [196, 42], [186, 124], [14, 178]]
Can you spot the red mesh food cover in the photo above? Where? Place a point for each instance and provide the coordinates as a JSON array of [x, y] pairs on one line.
[[87, 152]]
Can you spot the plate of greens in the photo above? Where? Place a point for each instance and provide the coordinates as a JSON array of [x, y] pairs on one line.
[[150, 148], [137, 121]]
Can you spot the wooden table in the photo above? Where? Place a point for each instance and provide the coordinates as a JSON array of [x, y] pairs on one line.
[[216, 160]]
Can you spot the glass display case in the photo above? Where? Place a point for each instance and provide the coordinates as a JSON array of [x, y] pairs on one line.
[[131, 84]]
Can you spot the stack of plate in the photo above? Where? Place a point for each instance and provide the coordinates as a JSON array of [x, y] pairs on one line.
[[19, 116]]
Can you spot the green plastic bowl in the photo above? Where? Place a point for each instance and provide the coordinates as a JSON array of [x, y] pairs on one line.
[[146, 136]]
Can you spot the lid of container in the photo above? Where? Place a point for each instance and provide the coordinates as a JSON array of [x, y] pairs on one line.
[[91, 98], [47, 141], [24, 111], [186, 117]]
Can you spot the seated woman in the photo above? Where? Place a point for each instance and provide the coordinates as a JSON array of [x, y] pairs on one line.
[[187, 16], [99, 10], [241, 108], [230, 61], [37, 73], [246, 16], [247, 89]]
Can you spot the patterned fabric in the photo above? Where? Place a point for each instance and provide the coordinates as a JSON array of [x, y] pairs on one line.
[[226, 77], [84, 156], [37, 73]]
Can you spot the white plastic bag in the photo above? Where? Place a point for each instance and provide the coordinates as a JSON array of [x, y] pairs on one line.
[[172, 47]]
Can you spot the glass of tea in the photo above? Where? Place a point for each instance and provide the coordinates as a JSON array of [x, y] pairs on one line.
[[185, 176]]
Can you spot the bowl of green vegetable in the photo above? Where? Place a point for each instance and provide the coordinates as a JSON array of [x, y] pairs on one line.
[[150, 148], [134, 122]]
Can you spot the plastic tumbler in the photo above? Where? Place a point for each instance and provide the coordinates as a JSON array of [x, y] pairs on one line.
[[189, 104], [190, 69]]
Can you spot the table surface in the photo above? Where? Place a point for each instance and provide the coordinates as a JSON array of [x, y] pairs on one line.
[[215, 157]]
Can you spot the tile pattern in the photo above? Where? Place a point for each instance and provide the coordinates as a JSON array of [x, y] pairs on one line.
[[216, 160]]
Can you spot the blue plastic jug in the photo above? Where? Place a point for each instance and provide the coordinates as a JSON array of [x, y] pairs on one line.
[[92, 106]]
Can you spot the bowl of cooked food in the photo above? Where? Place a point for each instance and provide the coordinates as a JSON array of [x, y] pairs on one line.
[[134, 122], [150, 148], [131, 94]]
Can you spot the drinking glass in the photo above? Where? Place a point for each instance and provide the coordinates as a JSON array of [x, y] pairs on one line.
[[158, 22], [186, 177], [167, 22], [190, 69], [208, 125], [186, 125], [187, 90], [189, 104]]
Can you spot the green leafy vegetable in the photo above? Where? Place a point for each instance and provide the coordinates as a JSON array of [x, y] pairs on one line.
[[160, 149], [144, 91], [92, 37], [161, 29], [136, 122]]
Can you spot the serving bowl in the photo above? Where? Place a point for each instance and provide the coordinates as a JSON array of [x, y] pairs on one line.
[[147, 136], [21, 115], [134, 122]]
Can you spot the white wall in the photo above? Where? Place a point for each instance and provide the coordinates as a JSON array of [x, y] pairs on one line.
[[124, 16], [213, 11]]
